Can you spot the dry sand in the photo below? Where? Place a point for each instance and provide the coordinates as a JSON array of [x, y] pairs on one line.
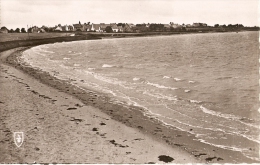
[[60, 128]]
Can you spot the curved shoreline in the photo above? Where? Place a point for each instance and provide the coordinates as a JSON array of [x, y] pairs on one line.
[[133, 117]]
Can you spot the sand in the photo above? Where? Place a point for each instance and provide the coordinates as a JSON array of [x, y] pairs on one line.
[[60, 128]]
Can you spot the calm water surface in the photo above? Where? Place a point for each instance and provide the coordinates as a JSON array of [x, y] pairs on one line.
[[205, 84]]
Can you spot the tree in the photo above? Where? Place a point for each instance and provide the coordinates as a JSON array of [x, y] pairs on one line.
[[17, 30], [2, 28], [216, 25], [156, 27], [11, 31], [121, 24], [108, 29], [46, 29], [240, 25], [23, 30]]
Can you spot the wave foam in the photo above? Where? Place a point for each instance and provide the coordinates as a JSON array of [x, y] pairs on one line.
[[166, 77], [161, 86], [107, 66], [194, 101], [219, 114], [177, 79]]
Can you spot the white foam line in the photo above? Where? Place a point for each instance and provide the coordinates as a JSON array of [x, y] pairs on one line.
[[222, 146], [160, 96], [195, 101], [227, 132], [226, 116], [166, 77], [177, 79], [161, 86]]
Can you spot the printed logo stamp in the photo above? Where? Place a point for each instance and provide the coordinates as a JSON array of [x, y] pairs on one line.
[[18, 138]]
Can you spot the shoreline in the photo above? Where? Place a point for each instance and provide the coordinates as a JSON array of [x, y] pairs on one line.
[[133, 117], [59, 128]]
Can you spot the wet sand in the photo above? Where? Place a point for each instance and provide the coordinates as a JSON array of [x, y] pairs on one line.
[[63, 124]]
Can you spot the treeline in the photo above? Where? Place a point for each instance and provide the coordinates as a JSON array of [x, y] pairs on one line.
[[17, 30], [153, 27]]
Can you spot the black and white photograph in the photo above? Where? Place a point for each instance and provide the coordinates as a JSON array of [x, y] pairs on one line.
[[129, 81]]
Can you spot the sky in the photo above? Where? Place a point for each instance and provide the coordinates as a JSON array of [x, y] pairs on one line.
[[20, 13]]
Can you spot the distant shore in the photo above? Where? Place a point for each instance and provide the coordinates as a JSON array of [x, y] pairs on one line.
[[130, 116], [37, 38]]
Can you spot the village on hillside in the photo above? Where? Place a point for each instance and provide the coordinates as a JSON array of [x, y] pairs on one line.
[[129, 28]]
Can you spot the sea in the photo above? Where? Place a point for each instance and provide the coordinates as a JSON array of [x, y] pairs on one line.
[[206, 82]]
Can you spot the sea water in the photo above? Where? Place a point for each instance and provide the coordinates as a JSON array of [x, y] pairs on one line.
[[207, 83]]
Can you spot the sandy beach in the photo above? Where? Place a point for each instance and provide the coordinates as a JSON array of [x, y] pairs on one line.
[[63, 124], [60, 128]]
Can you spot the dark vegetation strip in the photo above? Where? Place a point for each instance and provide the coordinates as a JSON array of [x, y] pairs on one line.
[[34, 42]]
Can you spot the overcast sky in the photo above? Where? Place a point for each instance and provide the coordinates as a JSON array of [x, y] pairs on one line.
[[20, 13]]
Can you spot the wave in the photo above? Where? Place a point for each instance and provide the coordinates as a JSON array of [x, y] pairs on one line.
[[160, 86], [223, 146], [229, 117], [166, 77], [195, 101], [161, 96], [136, 79], [107, 66], [219, 114], [177, 79]]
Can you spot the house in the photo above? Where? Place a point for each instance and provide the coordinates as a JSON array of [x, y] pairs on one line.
[[175, 25], [45, 28], [65, 28], [131, 25], [127, 28], [3, 30], [96, 28], [120, 28], [167, 27], [114, 27], [70, 28], [42, 30], [196, 24], [58, 29], [103, 27], [78, 27], [86, 27], [35, 29], [199, 25]]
